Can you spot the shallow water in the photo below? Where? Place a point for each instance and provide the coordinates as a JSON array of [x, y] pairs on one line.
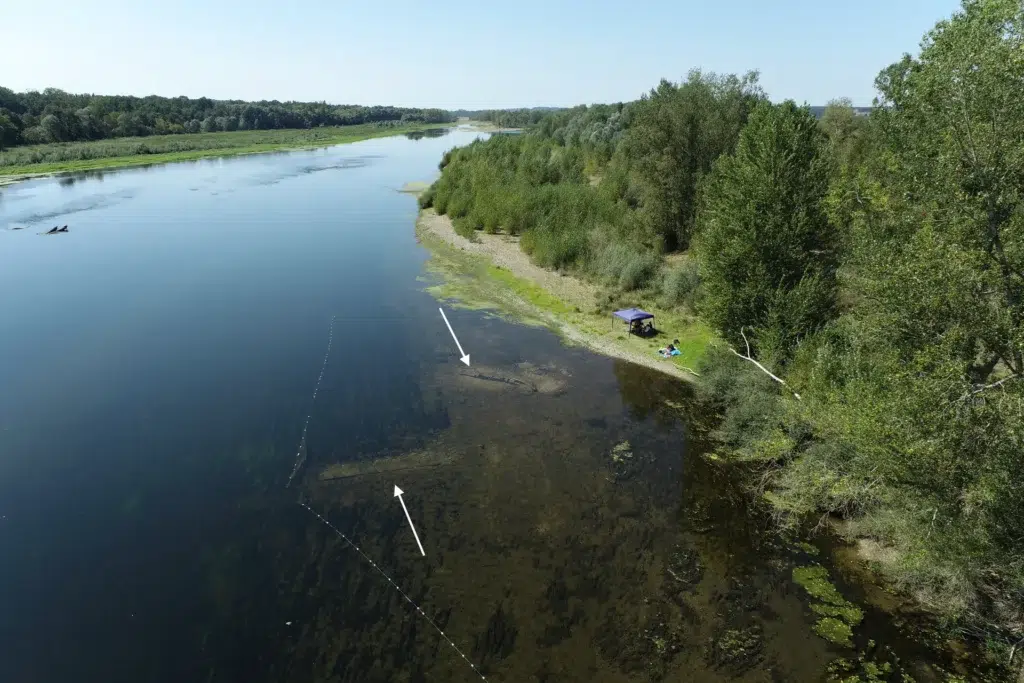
[[158, 363]]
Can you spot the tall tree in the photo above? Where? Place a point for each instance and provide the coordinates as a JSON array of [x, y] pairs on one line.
[[953, 124], [766, 250]]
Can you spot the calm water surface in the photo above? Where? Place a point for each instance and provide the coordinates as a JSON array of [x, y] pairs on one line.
[[157, 365]]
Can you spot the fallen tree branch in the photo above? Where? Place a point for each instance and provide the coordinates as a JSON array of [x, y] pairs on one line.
[[763, 368]]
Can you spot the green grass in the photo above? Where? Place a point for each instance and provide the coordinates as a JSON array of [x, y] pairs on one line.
[[158, 149], [694, 336], [529, 291]]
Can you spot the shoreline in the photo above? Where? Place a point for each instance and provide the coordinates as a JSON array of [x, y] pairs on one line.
[[492, 271], [15, 174]]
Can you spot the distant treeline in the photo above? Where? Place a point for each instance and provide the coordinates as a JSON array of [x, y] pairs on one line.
[[818, 112], [874, 262], [508, 118], [56, 116]]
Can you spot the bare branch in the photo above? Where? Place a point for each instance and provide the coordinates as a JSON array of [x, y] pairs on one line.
[[988, 386], [763, 368]]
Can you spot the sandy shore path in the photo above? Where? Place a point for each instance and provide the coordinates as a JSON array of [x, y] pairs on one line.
[[575, 318]]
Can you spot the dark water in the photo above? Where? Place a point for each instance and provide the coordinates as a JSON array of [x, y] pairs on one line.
[[156, 369]]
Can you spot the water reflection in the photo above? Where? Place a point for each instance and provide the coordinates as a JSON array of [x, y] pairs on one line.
[[428, 133], [69, 179], [649, 393], [90, 202]]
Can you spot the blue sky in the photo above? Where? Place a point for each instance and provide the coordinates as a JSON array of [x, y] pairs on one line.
[[461, 54]]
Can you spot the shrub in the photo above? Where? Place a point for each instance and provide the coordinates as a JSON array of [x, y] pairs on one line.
[[680, 284], [426, 198], [625, 266]]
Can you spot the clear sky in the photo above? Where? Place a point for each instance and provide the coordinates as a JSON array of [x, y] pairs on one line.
[[455, 54]]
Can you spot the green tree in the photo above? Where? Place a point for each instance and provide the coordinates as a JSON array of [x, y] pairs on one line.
[[916, 395], [52, 128], [766, 250], [848, 133], [953, 121], [10, 129], [677, 132]]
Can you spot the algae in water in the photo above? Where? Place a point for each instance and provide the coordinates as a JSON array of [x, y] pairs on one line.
[[838, 615]]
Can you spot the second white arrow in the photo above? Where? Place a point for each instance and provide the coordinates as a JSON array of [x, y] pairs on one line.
[[398, 495]]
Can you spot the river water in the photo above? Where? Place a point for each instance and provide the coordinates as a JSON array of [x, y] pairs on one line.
[[157, 369]]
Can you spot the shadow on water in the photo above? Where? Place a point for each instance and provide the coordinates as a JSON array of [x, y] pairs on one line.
[[428, 133]]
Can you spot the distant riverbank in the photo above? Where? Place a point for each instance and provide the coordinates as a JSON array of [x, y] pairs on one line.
[[492, 271], [18, 163]]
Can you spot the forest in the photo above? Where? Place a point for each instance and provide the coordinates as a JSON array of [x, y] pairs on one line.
[[31, 118], [874, 265]]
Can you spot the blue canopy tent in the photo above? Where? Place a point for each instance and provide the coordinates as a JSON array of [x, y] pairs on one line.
[[634, 318]]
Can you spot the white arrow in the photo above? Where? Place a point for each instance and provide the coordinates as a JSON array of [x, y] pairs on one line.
[[398, 495], [465, 356]]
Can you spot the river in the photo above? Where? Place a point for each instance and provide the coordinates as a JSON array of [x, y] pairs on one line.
[[158, 365]]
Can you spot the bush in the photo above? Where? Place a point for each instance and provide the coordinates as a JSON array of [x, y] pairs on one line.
[[754, 423], [680, 285], [624, 266], [426, 199]]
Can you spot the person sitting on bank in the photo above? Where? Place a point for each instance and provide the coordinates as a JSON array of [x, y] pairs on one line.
[[671, 349]]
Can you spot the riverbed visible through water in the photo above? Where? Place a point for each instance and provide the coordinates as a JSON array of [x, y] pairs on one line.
[[157, 370]]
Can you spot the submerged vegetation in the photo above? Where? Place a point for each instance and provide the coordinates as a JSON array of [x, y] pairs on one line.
[[873, 264], [838, 615]]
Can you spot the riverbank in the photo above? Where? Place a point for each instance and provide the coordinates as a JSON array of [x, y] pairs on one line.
[[492, 271], [21, 163]]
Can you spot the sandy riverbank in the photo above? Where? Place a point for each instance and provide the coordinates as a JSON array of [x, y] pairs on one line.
[[493, 269]]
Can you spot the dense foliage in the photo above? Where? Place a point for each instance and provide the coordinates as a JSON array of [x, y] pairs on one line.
[[588, 189], [676, 134], [56, 116], [915, 391], [766, 249], [876, 263]]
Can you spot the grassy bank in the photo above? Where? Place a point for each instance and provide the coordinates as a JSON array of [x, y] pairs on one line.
[[493, 273], [122, 152]]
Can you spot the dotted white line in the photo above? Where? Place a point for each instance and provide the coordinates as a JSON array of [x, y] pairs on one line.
[[298, 464], [323, 368], [396, 587]]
